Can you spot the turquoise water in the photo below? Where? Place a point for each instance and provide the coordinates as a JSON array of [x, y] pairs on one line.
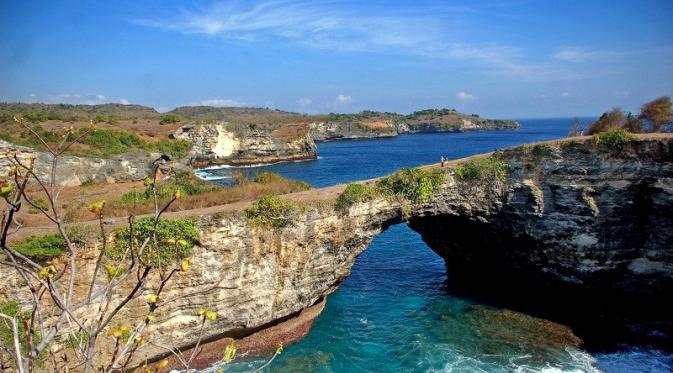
[[396, 312]]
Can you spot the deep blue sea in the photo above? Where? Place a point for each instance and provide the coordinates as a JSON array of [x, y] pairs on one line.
[[395, 312]]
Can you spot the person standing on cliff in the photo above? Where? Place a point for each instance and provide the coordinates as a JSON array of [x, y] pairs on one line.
[[442, 159]]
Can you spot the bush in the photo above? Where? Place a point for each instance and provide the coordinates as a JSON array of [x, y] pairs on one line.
[[354, 193], [170, 119], [612, 119], [303, 185], [42, 248], [613, 139], [266, 177], [569, 145], [105, 143], [185, 182], [483, 169], [174, 148], [175, 240], [272, 211], [541, 150], [413, 184]]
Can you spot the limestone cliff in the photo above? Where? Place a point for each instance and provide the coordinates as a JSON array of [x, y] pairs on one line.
[[570, 214], [376, 125], [222, 143], [73, 170]]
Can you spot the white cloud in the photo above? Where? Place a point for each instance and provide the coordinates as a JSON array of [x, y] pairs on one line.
[[578, 54], [123, 101], [330, 26], [565, 94], [221, 102], [32, 95], [75, 99], [304, 101], [343, 99], [465, 97]]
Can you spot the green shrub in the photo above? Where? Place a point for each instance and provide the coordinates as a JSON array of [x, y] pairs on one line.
[[104, 143], [569, 145], [413, 184], [614, 138], [174, 148], [187, 185], [483, 169], [272, 211], [41, 248], [170, 119], [542, 150], [266, 177], [354, 193], [303, 185], [175, 239]]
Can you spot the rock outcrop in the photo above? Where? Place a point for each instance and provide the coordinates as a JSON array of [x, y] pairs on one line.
[[73, 171], [393, 125], [225, 144], [570, 214]]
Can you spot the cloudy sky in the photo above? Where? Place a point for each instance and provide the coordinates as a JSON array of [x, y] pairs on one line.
[[510, 59]]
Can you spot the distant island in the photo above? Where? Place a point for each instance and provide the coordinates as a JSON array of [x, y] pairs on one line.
[[202, 136]]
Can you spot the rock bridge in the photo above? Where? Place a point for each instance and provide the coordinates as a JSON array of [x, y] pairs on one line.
[[572, 216]]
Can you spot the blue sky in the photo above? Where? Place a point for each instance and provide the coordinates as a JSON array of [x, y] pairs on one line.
[[509, 59]]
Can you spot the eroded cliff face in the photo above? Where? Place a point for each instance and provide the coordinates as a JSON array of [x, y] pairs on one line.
[[331, 130], [570, 213], [222, 144], [73, 171], [573, 215]]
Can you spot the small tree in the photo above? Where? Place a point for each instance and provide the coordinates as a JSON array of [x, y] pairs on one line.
[[658, 112], [633, 124], [614, 118], [147, 255]]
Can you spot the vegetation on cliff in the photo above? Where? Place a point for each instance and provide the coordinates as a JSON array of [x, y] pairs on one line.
[[412, 184], [172, 239], [484, 169], [272, 211], [614, 138], [653, 117], [42, 248], [80, 302], [406, 185], [354, 193]]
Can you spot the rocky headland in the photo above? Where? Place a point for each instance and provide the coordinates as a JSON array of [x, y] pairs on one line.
[[130, 137], [570, 217]]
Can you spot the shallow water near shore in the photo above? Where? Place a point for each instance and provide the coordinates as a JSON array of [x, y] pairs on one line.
[[397, 313]]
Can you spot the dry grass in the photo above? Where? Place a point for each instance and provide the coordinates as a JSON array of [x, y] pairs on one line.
[[74, 201], [376, 125]]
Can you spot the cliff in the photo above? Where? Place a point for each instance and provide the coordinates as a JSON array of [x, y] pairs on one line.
[[369, 124], [217, 136], [73, 170], [570, 215], [222, 143]]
